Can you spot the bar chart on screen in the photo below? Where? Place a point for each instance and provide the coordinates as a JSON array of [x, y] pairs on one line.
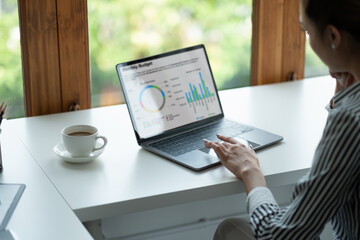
[[199, 95]]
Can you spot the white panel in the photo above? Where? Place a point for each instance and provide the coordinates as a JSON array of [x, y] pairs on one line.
[[179, 216]]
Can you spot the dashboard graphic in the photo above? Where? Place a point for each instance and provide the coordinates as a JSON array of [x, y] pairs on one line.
[[170, 91]]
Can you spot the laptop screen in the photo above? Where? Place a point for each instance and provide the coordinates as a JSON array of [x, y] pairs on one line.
[[169, 90]]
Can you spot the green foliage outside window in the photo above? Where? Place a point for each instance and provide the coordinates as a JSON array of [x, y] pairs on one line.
[[127, 30], [11, 86]]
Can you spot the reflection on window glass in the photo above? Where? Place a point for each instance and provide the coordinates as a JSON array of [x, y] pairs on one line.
[[11, 85], [313, 65], [121, 31]]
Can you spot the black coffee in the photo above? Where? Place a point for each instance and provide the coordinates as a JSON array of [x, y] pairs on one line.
[[79, 134]]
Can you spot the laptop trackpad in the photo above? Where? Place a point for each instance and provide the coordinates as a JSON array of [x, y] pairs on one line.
[[209, 151], [199, 159]]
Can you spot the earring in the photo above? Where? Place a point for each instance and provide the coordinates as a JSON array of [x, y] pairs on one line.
[[333, 46]]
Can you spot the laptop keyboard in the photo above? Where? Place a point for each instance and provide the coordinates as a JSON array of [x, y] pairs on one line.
[[192, 140]]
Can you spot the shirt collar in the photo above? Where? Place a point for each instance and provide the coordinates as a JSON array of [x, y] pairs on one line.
[[340, 96]]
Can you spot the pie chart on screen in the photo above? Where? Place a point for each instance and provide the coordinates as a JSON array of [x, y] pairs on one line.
[[152, 98]]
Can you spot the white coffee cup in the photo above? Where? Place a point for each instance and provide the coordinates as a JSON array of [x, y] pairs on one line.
[[80, 140]]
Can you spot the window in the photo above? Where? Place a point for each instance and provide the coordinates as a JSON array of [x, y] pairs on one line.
[[11, 85], [126, 30], [121, 31], [313, 65]]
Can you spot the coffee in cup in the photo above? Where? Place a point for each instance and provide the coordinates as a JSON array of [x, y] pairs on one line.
[[81, 140]]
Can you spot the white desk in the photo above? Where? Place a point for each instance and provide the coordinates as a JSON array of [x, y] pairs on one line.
[[126, 178], [41, 213]]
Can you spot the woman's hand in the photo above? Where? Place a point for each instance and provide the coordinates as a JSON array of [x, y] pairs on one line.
[[240, 160], [343, 80]]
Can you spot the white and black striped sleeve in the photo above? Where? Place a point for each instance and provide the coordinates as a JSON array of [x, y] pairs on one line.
[[323, 192]]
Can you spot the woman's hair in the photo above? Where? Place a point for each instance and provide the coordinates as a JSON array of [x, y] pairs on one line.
[[343, 14]]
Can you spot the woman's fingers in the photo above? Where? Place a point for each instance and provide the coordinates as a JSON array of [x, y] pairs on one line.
[[227, 139], [219, 148]]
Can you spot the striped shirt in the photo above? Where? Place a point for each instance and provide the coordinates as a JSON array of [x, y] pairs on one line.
[[329, 191]]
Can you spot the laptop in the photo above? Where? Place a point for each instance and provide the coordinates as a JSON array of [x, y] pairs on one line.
[[173, 104]]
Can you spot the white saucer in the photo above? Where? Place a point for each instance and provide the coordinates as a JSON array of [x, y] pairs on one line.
[[60, 150]]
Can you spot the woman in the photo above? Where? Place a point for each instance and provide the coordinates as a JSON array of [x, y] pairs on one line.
[[331, 189]]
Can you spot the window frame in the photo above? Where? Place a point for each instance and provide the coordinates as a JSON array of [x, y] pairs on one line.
[[55, 55], [278, 43]]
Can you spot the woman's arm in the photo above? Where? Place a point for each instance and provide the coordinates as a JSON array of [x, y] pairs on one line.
[[240, 160], [317, 197]]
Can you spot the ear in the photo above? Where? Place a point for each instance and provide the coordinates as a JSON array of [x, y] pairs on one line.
[[332, 36]]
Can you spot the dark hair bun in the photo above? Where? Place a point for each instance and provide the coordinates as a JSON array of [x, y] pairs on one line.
[[343, 14]]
